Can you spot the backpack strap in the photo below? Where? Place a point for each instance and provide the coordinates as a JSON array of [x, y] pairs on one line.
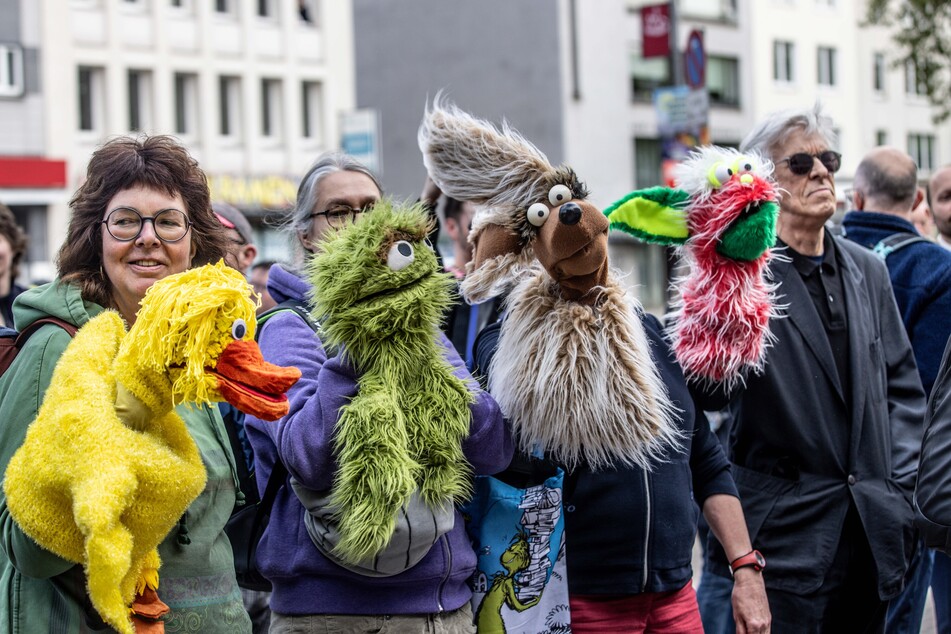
[[894, 242], [290, 305], [39, 323]]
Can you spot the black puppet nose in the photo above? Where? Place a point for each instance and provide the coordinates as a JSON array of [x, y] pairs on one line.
[[569, 214]]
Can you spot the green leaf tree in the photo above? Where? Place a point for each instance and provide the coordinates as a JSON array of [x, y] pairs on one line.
[[922, 31]]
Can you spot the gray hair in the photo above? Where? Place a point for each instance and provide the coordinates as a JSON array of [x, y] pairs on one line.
[[328, 163], [771, 131]]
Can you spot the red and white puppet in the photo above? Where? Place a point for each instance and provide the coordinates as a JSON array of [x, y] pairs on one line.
[[724, 217]]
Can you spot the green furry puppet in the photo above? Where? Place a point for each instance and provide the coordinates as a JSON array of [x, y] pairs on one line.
[[380, 296]]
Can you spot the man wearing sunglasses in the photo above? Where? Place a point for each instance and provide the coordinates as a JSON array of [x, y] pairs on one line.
[[825, 441]]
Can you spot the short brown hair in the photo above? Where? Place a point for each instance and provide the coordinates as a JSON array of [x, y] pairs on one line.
[[156, 162], [10, 230]]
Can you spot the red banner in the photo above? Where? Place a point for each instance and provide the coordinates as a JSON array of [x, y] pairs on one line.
[[655, 30], [30, 172]]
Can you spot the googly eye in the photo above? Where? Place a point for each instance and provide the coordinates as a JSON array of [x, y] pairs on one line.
[[400, 256], [239, 329], [559, 194], [743, 164], [430, 245], [538, 213], [719, 174]]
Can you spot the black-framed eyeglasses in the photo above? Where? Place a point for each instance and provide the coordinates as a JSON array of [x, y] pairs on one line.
[[801, 163], [340, 216], [125, 224]]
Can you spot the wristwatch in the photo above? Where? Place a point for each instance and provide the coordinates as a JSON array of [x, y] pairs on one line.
[[753, 559]]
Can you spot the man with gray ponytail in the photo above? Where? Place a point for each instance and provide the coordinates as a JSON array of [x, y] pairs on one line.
[[825, 441]]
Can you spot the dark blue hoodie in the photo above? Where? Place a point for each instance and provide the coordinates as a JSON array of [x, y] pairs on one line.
[[921, 279]]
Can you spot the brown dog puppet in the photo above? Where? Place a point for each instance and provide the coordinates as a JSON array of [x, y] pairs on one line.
[[574, 373]]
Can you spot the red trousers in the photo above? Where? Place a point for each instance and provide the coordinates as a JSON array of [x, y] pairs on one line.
[[656, 613]]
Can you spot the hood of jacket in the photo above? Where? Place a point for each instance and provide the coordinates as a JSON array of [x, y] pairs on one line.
[[283, 283], [56, 299]]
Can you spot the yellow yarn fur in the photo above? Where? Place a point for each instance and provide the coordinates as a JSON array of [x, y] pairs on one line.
[[103, 491]]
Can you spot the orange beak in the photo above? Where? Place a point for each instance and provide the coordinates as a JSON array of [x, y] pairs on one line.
[[252, 384]]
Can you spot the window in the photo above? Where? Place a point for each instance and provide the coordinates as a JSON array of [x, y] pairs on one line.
[[91, 93], [708, 9], [224, 6], [647, 74], [308, 11], [784, 68], [311, 111], [229, 106], [267, 9], [271, 107], [723, 80], [921, 148], [647, 163], [878, 72], [11, 70], [826, 66], [186, 104], [140, 100], [913, 84], [881, 137]]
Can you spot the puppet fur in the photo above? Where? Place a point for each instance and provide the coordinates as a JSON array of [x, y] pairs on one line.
[[500, 172], [571, 378], [108, 467], [573, 372], [720, 323], [403, 431]]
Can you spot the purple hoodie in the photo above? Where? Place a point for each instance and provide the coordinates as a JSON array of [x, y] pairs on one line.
[[303, 580]]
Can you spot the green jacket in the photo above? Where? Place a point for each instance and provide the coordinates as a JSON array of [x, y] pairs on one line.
[[39, 591]]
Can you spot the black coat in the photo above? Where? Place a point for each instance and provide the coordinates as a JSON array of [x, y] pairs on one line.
[[800, 451], [628, 530], [933, 491]]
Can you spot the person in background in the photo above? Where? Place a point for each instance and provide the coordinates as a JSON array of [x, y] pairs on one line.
[[258, 279], [885, 197], [239, 255], [241, 250], [922, 217], [939, 199], [12, 249], [464, 321], [143, 213], [824, 443], [310, 592]]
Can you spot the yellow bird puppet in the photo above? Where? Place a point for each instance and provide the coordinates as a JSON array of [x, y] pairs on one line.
[[112, 396]]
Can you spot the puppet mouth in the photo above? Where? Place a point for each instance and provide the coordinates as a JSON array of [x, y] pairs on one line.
[[252, 384], [389, 292], [751, 233]]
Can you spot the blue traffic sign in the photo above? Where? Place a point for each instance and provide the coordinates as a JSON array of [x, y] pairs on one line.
[[695, 61]]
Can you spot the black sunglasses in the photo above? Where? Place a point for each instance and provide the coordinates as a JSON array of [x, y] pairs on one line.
[[801, 163]]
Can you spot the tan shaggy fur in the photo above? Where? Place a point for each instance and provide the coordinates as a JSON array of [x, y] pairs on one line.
[[578, 381]]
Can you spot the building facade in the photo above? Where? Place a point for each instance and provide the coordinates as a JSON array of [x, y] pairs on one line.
[[255, 90], [571, 77]]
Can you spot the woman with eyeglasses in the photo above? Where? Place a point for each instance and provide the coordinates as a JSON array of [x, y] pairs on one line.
[[142, 214], [313, 591]]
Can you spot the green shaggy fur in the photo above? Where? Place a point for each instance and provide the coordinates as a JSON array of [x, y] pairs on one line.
[[404, 429]]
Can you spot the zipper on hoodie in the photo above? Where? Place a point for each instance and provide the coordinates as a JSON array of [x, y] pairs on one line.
[[647, 526], [445, 579]]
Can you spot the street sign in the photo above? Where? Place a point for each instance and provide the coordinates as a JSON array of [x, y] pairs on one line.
[[695, 61], [360, 137]]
